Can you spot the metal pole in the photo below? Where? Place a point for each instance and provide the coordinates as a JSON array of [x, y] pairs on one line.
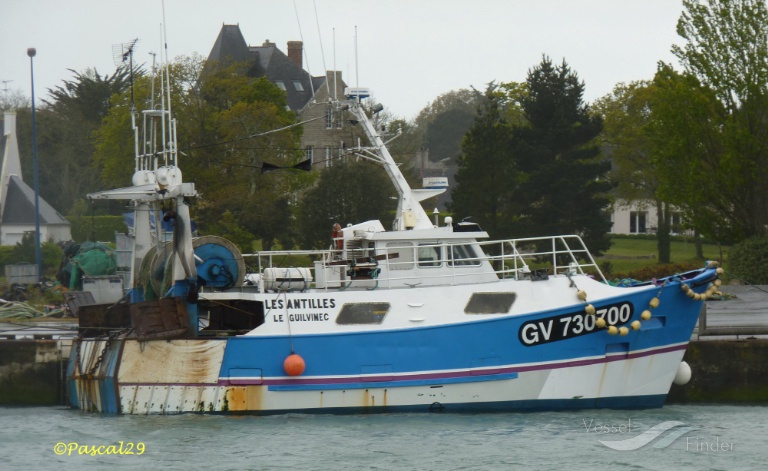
[[38, 256]]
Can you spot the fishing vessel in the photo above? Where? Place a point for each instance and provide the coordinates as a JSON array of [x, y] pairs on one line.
[[423, 316]]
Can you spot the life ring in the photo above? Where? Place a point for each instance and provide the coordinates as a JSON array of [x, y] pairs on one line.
[[338, 237]]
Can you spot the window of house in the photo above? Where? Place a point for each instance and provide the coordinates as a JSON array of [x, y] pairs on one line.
[[677, 222], [462, 256], [329, 118], [637, 222], [400, 255], [298, 86], [310, 153], [429, 256], [328, 161], [280, 85]]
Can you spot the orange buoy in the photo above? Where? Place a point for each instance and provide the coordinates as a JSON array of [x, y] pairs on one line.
[[294, 365]]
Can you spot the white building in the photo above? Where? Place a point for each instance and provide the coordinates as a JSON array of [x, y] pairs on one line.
[[17, 199], [640, 217]]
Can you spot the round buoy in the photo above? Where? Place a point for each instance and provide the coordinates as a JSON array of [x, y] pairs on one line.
[[581, 294], [683, 374], [589, 309], [623, 331], [600, 322], [294, 365], [613, 330], [635, 325], [654, 302], [646, 315]]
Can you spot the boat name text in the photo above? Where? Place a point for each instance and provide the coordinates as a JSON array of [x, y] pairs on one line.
[[300, 303], [566, 326]]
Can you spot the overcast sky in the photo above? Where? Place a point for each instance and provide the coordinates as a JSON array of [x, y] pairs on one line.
[[408, 51]]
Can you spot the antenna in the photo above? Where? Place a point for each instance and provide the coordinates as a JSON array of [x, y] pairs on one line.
[[122, 53], [335, 72], [322, 52], [5, 87], [306, 56], [357, 75]]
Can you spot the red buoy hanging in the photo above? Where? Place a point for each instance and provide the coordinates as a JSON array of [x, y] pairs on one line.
[[294, 365]]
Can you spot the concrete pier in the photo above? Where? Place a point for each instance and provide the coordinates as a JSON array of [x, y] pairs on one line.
[[32, 371]]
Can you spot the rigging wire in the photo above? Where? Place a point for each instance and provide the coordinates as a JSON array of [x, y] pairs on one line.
[[301, 35], [251, 136], [322, 51]]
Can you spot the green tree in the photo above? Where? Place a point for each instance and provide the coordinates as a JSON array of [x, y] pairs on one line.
[[626, 115], [227, 130], [565, 186], [686, 135], [726, 49], [66, 121], [487, 172], [349, 192]]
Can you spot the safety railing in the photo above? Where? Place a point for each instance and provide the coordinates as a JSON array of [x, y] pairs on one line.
[[420, 263]]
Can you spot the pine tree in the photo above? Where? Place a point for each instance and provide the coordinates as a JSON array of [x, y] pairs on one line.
[[565, 189], [487, 172]]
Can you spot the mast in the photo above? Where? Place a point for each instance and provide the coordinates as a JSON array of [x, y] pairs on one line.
[[157, 181], [410, 214]]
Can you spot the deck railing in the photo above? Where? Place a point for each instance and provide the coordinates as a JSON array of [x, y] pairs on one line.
[[453, 263]]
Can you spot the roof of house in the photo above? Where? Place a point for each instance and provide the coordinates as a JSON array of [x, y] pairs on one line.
[[20, 205], [230, 46], [265, 61]]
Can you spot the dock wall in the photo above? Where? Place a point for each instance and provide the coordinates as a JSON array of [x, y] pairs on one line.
[[725, 371], [32, 371]]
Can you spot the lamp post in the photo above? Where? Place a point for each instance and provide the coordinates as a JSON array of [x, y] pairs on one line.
[[38, 256]]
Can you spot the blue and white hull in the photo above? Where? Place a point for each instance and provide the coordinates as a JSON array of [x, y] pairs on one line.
[[418, 358]]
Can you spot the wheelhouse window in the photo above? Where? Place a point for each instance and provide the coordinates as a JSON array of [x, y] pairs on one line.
[[429, 256], [462, 256], [400, 255]]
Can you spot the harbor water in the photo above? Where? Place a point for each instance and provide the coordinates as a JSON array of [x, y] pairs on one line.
[[715, 437]]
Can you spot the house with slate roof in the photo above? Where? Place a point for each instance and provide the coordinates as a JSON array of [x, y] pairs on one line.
[[327, 135], [17, 199]]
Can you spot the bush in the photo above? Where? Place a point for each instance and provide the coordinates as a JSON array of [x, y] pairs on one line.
[[24, 252], [748, 260]]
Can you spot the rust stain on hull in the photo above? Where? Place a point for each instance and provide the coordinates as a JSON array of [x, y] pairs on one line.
[[174, 361]]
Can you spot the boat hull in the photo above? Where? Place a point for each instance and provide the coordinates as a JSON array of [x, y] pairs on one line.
[[499, 363]]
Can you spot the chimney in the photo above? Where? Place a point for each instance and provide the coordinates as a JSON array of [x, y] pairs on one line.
[[295, 52]]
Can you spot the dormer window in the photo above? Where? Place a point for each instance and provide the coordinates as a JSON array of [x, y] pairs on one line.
[[298, 86], [280, 85]]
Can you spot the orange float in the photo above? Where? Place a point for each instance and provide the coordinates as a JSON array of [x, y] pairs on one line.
[[294, 365]]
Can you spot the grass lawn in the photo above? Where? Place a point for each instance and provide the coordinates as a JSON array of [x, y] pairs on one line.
[[630, 254]]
